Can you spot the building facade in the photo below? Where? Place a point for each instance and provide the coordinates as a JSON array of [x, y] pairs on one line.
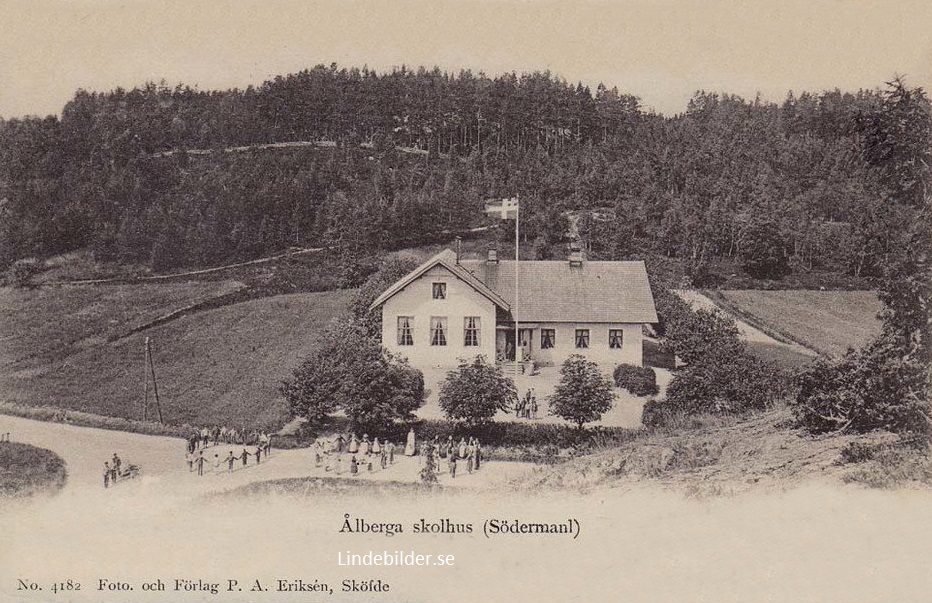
[[446, 310]]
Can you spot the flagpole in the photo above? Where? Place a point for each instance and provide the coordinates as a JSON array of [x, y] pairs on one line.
[[517, 253]]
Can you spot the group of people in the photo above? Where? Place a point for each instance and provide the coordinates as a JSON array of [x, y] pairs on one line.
[[366, 453], [196, 459], [113, 470], [527, 406], [213, 436], [337, 454], [467, 451]]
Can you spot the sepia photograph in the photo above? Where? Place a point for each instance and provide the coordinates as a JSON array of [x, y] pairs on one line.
[[479, 300]]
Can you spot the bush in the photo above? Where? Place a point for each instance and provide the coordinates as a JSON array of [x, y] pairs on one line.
[[28, 470], [639, 381], [691, 334], [655, 414], [870, 388], [353, 373], [475, 391], [725, 382], [720, 376], [583, 394], [857, 452]]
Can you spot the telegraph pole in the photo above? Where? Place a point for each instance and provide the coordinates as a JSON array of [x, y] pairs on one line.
[[155, 385]]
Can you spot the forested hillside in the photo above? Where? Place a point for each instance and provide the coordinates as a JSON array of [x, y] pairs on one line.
[[406, 155]]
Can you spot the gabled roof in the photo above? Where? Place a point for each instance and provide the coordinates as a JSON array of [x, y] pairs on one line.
[[554, 291], [447, 259]]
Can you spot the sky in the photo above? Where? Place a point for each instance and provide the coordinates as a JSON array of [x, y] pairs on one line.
[[660, 50]]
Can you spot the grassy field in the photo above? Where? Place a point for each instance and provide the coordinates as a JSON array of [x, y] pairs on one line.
[[26, 470], [49, 324], [62, 348], [828, 322]]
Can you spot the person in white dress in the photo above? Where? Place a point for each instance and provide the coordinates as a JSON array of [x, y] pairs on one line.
[[410, 444]]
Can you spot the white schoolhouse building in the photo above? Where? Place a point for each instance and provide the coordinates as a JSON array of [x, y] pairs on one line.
[[447, 309]]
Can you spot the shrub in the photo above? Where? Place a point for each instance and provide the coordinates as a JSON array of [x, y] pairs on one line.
[[28, 470], [720, 376], [655, 414], [583, 394], [354, 374], [691, 334], [475, 391], [724, 382], [870, 388], [639, 381], [857, 452]]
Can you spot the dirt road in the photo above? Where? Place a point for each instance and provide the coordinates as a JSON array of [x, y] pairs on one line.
[[165, 472]]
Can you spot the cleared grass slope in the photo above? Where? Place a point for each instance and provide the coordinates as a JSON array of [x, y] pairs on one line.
[[49, 324], [218, 366], [828, 322]]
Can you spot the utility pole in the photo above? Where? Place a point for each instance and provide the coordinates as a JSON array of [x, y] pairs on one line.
[[155, 385], [145, 381]]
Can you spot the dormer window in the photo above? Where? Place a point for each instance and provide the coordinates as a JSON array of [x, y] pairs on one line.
[[440, 290]]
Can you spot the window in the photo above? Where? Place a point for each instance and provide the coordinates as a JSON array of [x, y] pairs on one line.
[[440, 290], [614, 338], [548, 337], [471, 331], [438, 330], [582, 338], [404, 330]]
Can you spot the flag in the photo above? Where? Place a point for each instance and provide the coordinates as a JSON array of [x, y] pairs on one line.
[[506, 209]]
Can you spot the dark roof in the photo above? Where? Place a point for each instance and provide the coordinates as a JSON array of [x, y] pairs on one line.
[[447, 259], [555, 291]]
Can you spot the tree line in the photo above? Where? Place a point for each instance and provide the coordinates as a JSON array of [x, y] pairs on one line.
[[808, 183]]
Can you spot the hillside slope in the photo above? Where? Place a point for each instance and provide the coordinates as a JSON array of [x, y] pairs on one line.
[[828, 322], [762, 452], [221, 365]]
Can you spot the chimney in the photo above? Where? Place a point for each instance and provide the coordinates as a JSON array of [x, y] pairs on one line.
[[576, 256], [493, 256]]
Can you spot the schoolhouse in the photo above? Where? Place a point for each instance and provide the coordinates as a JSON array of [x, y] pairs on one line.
[[447, 309]]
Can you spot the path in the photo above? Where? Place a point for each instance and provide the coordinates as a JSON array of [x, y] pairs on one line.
[[165, 472]]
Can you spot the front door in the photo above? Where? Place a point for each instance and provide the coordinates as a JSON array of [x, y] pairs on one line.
[[525, 337], [510, 344]]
